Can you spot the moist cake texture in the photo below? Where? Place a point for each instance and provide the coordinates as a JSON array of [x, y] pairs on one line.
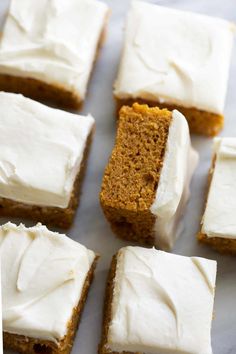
[[47, 51], [218, 227], [150, 296], [199, 121], [42, 157], [45, 280], [182, 63], [145, 184]]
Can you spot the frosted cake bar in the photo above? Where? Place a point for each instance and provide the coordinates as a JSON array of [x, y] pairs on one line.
[[47, 51], [218, 227], [176, 59], [42, 159], [146, 183], [45, 280], [158, 302]]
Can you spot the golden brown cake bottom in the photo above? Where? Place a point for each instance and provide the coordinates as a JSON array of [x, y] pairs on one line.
[[27, 345], [200, 122], [222, 245], [44, 92], [51, 216]]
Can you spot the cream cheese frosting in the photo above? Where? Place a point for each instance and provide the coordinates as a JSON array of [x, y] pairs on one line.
[[54, 41], [175, 57], [41, 150], [43, 274], [162, 303], [219, 217], [172, 194]]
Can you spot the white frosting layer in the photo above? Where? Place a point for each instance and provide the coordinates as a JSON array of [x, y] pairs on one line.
[[219, 217], [175, 57], [172, 193], [43, 274], [41, 149], [54, 41], [162, 303]]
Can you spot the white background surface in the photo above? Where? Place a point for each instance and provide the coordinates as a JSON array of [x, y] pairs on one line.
[[91, 228]]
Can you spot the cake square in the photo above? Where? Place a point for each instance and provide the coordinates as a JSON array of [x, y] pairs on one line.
[[45, 280], [47, 51], [176, 59], [146, 182], [42, 160], [218, 227], [158, 302]]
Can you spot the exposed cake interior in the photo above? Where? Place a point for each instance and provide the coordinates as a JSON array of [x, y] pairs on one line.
[[137, 158], [132, 175], [146, 183], [199, 121]]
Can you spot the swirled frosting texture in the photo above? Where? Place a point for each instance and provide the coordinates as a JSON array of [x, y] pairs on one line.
[[175, 57], [54, 41], [162, 303], [43, 274], [41, 150], [172, 194], [219, 217]]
